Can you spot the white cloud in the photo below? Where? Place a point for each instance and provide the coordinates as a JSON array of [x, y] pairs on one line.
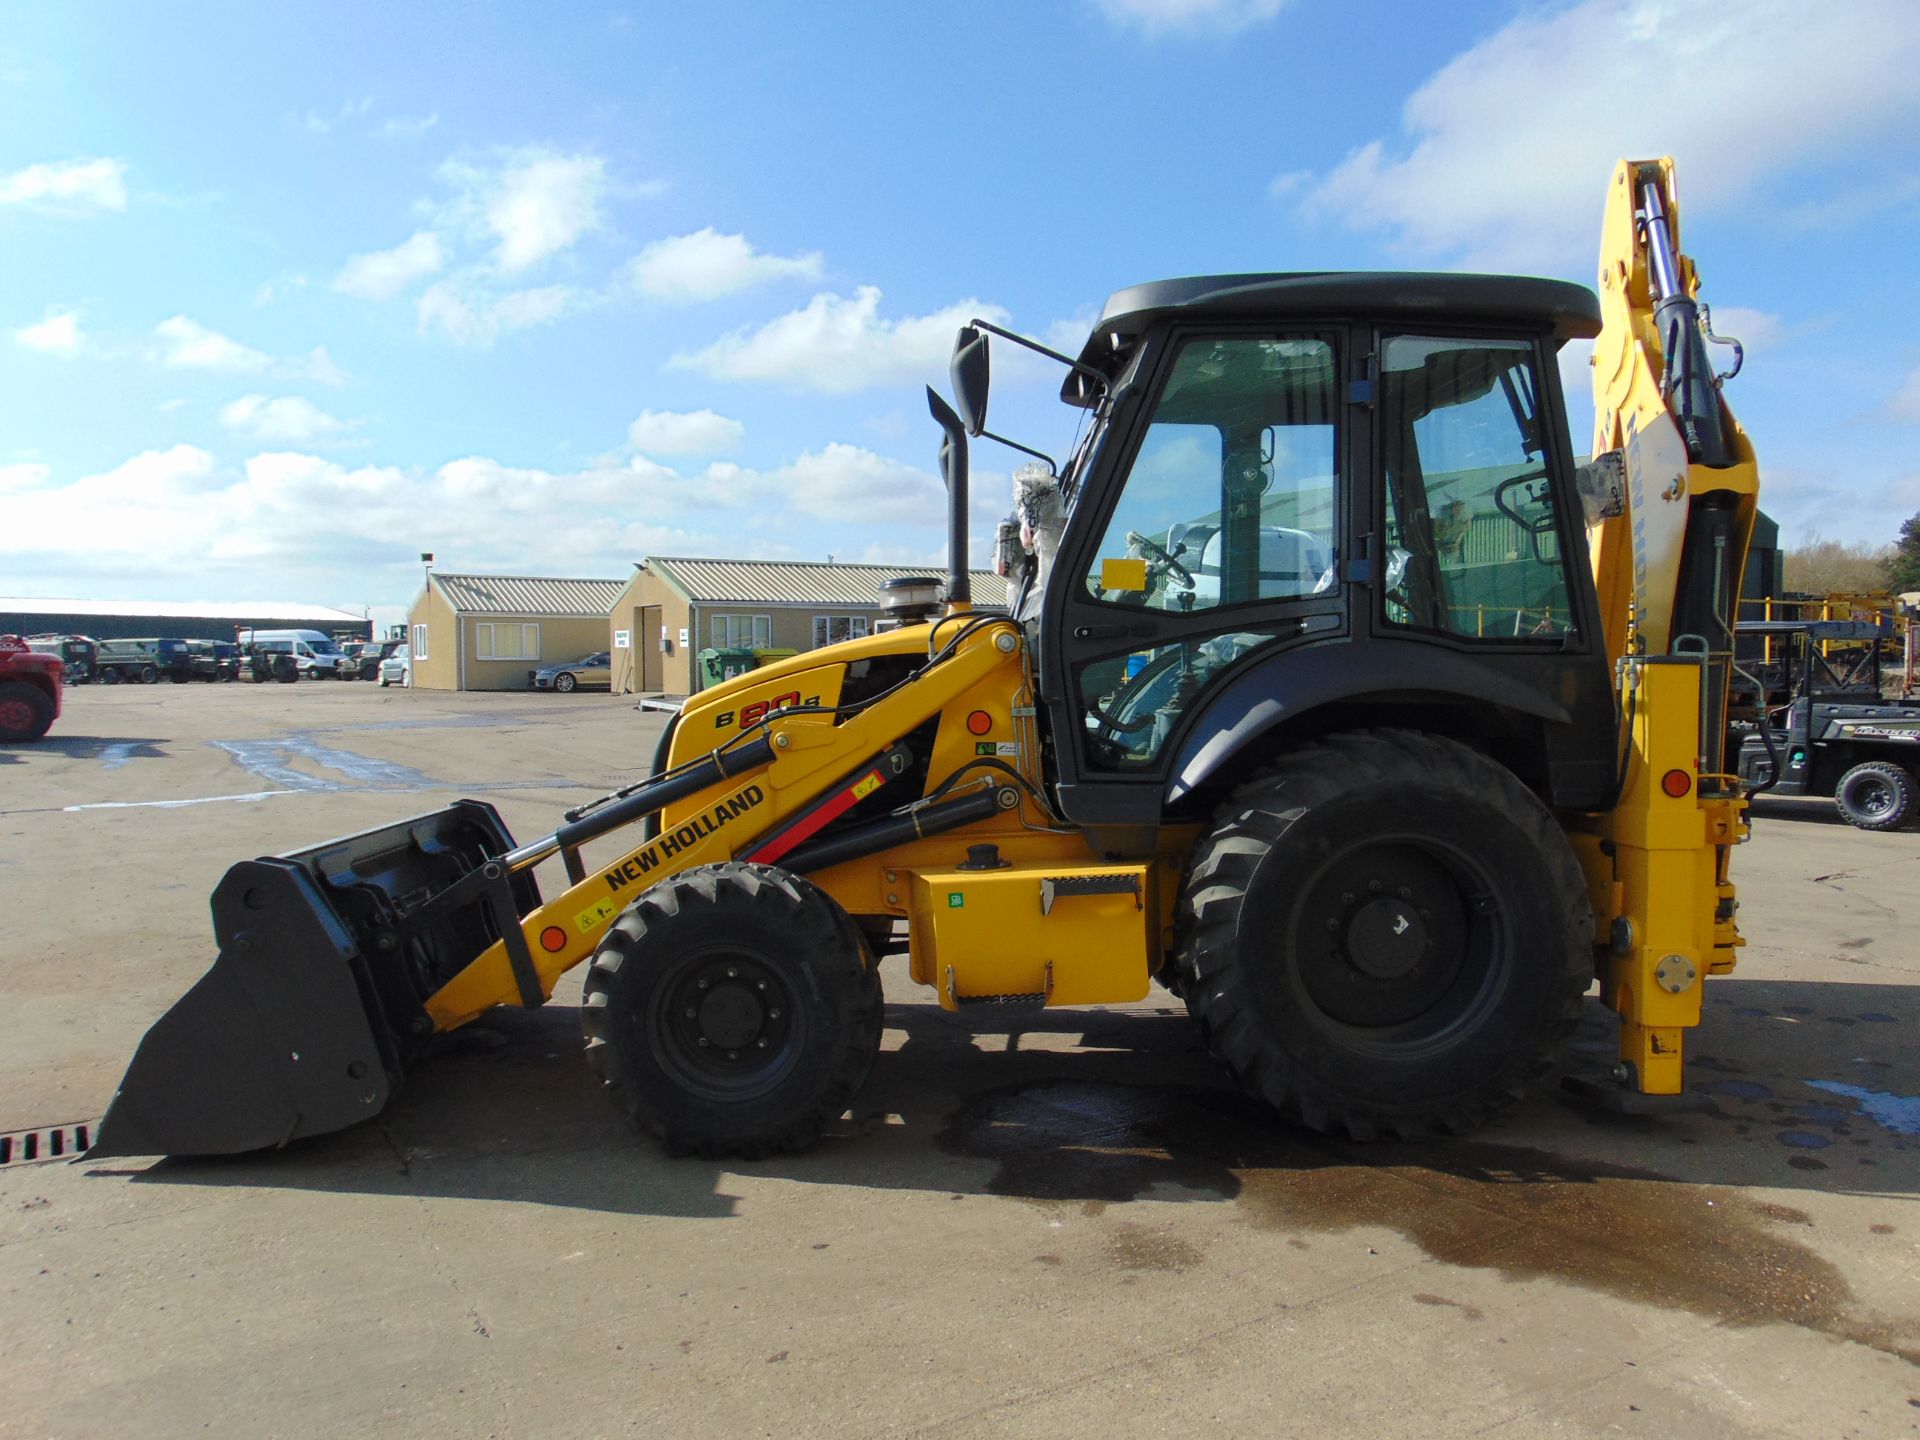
[[707, 265], [290, 517], [1904, 403], [58, 334], [1475, 179], [68, 187], [407, 127], [535, 204], [697, 432], [382, 274], [24, 476], [473, 319], [839, 345], [188, 345], [352, 110], [182, 343], [286, 419], [850, 485], [319, 366], [1158, 17]]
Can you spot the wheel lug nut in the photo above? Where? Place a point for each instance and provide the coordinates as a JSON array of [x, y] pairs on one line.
[[704, 982], [760, 1044], [731, 972], [761, 985], [1374, 887], [1405, 892], [704, 1042], [691, 1012], [1333, 927], [1346, 897], [733, 1054], [773, 1014]]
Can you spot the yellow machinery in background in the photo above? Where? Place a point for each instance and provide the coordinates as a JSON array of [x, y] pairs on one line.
[[1308, 704]]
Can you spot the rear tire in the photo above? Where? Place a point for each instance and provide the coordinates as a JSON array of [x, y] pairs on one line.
[[733, 1010], [1875, 795], [25, 711], [1385, 933], [149, 675]]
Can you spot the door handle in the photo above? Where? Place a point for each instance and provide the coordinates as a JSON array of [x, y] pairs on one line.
[[1109, 632]]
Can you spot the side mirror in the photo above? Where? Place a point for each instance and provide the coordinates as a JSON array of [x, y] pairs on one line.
[[970, 375]]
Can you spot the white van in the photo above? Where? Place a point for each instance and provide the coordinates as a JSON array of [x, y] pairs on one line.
[[317, 656]]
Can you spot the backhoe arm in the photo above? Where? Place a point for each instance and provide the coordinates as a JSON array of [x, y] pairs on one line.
[[1669, 547]]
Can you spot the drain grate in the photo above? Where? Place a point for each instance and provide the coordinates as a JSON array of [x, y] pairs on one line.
[[50, 1142]]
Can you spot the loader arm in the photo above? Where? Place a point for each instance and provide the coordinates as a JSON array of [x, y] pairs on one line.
[[809, 752], [1671, 504]]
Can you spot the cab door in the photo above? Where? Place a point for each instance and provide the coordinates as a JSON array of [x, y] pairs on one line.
[[1211, 533]]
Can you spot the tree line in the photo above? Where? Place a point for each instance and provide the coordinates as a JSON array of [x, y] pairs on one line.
[[1819, 566]]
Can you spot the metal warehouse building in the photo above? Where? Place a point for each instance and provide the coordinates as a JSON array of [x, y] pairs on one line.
[[675, 607], [485, 632], [142, 619]]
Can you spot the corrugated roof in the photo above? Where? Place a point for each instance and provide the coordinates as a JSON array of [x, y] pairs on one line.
[[527, 594], [799, 582], [179, 610]]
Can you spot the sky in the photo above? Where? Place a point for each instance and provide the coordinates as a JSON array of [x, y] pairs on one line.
[[290, 294]]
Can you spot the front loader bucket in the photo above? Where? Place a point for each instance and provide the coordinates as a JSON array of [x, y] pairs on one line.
[[315, 1003]]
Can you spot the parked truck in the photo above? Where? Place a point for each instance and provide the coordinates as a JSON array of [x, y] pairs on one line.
[[29, 690]]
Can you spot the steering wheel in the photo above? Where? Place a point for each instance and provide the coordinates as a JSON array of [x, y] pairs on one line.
[[1501, 491], [1160, 559]]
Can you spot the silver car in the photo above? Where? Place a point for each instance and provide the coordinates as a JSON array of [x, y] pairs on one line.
[[397, 668], [589, 670]]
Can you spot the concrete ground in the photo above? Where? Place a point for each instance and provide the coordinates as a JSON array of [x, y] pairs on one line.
[[1073, 1228]]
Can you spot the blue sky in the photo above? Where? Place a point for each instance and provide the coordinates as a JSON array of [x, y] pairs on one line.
[[289, 294]]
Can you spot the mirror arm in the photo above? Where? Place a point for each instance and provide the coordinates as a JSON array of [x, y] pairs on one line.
[[1040, 455], [1092, 374]]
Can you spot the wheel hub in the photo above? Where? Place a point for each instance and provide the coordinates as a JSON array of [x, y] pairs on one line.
[[728, 1021], [731, 1017], [1386, 938], [1382, 936]]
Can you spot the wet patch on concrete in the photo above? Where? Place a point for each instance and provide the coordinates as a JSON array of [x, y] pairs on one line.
[[1899, 1114], [1524, 1213], [1472, 1312], [276, 761]]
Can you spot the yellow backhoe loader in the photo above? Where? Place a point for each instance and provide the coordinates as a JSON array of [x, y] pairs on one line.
[[1333, 695]]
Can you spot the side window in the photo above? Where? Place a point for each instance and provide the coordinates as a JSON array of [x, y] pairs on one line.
[[1472, 545], [1231, 497]]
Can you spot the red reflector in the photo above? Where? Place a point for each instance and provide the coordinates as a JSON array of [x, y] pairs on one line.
[[553, 938], [1676, 783], [979, 722]]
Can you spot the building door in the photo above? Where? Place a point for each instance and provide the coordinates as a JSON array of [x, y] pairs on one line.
[[650, 665]]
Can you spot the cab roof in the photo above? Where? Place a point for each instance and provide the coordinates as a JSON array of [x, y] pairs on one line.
[[1567, 311]]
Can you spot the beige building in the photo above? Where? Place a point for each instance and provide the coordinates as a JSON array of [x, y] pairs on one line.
[[485, 632], [674, 607]]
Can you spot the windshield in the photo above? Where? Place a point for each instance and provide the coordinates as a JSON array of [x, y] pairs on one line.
[[323, 647]]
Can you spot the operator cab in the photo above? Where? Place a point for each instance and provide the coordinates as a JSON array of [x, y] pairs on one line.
[[1303, 499]]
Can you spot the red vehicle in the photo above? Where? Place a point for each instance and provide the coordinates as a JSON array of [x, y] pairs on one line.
[[29, 690]]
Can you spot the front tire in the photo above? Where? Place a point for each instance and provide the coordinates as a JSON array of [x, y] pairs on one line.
[[733, 1010], [25, 711], [109, 677], [1386, 933], [564, 683], [1875, 795]]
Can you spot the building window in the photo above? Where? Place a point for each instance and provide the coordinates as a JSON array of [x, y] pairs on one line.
[[743, 632], [832, 629], [506, 642], [419, 651]]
